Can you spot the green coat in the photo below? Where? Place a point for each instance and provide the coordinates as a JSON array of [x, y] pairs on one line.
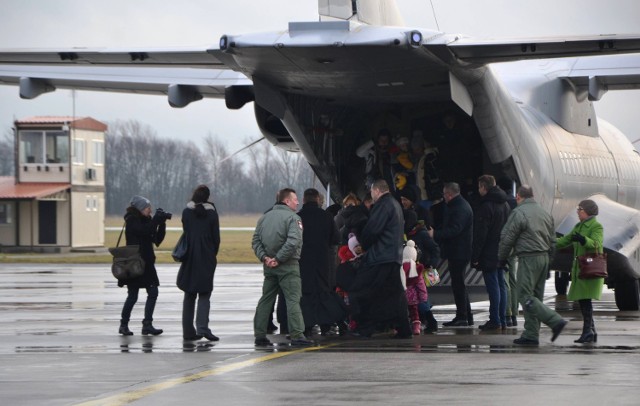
[[592, 231], [278, 235]]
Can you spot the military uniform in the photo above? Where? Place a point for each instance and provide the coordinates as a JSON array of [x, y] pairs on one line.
[[278, 235], [530, 233]]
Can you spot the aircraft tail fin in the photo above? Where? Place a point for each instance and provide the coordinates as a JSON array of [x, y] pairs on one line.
[[372, 12]]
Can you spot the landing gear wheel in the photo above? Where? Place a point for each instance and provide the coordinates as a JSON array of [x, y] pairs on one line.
[[562, 281], [627, 295]]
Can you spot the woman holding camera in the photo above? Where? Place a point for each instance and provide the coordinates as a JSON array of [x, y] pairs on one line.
[[144, 231], [201, 228]]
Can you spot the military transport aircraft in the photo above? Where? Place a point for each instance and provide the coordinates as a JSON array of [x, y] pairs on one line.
[[518, 108]]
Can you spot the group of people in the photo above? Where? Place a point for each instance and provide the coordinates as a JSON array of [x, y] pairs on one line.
[[201, 228], [497, 238], [380, 281]]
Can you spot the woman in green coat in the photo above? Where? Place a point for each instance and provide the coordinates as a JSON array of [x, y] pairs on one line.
[[585, 237]]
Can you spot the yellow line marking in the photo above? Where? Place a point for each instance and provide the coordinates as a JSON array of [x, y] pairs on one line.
[[131, 396]]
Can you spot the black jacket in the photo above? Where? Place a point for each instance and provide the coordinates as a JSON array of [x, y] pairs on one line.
[[490, 216], [382, 236], [351, 219], [456, 233], [429, 254], [143, 231], [201, 227]]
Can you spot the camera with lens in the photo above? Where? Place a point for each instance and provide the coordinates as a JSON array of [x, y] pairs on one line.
[[163, 215]]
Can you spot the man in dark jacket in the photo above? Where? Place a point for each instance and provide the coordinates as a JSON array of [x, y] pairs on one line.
[[378, 296], [320, 304], [454, 239], [488, 219]]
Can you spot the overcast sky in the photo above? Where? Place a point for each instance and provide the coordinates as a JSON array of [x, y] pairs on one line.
[[126, 23]]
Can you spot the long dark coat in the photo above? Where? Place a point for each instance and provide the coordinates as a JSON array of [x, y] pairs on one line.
[[456, 233], [143, 231], [320, 304], [377, 294], [201, 227]]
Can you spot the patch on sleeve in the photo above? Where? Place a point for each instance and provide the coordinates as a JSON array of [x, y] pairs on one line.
[[299, 223]]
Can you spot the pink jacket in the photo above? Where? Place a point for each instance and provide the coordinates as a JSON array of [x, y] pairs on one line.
[[416, 288]]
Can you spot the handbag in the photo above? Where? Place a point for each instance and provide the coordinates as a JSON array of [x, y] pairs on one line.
[[592, 265], [179, 252], [431, 277], [127, 262]]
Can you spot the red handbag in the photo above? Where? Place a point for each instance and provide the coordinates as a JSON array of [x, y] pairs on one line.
[[592, 265]]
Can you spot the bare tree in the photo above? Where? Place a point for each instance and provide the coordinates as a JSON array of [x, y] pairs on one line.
[[138, 162], [227, 179], [167, 171], [7, 153]]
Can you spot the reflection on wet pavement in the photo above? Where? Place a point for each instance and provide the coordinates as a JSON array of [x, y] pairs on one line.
[[76, 308]]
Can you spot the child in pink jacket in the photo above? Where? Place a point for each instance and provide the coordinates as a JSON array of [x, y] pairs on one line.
[[412, 279]]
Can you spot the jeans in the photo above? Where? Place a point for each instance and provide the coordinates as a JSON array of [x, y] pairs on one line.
[[497, 291], [132, 298], [512, 295]]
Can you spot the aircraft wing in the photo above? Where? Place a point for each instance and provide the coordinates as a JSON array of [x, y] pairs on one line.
[[465, 50], [332, 60], [183, 75], [600, 74], [155, 57]]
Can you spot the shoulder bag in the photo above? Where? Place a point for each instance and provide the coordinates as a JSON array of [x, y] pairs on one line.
[[179, 252], [127, 262], [592, 265]]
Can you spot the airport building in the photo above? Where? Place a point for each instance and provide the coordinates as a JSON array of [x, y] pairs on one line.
[[56, 201]]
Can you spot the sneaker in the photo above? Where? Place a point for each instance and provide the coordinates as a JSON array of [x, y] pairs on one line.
[[456, 323], [557, 329], [489, 326], [301, 342], [526, 342], [263, 342]]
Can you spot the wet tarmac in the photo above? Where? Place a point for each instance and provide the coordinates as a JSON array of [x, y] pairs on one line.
[[59, 345]]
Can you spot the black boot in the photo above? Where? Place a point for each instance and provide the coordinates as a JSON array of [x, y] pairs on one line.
[[124, 328], [588, 335], [431, 323], [147, 328]]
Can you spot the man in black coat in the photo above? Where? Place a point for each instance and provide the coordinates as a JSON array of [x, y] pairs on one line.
[[377, 295], [490, 216], [454, 239], [320, 304]]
